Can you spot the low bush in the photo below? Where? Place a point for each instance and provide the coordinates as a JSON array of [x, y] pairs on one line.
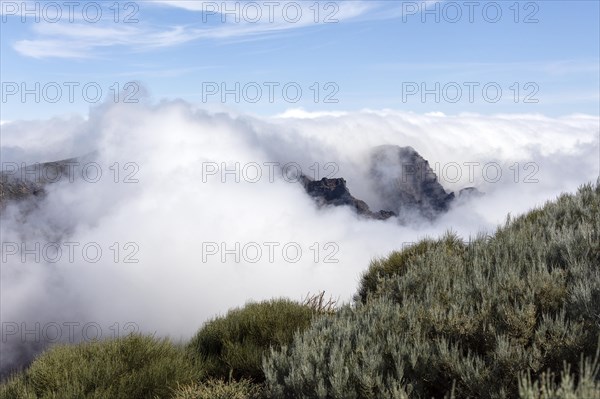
[[132, 367], [396, 264], [231, 347]]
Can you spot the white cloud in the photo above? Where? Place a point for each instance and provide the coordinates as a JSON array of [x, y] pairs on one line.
[[300, 113], [81, 40]]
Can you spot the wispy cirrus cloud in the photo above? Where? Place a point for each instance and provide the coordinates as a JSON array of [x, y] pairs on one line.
[[80, 39]]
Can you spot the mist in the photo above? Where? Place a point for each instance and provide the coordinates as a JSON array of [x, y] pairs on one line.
[[165, 199]]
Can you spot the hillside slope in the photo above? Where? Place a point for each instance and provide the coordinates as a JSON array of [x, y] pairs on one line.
[[477, 318]]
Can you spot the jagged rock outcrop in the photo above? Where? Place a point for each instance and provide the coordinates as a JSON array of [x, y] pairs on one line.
[[335, 192], [405, 183]]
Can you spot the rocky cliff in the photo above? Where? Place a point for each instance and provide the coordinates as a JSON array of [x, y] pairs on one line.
[[402, 180]]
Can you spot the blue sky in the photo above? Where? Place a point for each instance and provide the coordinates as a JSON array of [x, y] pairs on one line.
[[543, 56]]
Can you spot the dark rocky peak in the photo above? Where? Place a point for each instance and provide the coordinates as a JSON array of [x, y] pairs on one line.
[[405, 182], [402, 180], [334, 192]]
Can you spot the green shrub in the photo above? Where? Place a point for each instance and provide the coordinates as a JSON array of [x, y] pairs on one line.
[[233, 346], [396, 264], [218, 389], [339, 356], [133, 367], [472, 318]]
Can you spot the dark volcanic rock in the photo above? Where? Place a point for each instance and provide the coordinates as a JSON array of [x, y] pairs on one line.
[[334, 192], [28, 182], [401, 178], [405, 182]]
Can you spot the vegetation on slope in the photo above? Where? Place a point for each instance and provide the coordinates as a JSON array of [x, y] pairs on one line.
[[471, 319]]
